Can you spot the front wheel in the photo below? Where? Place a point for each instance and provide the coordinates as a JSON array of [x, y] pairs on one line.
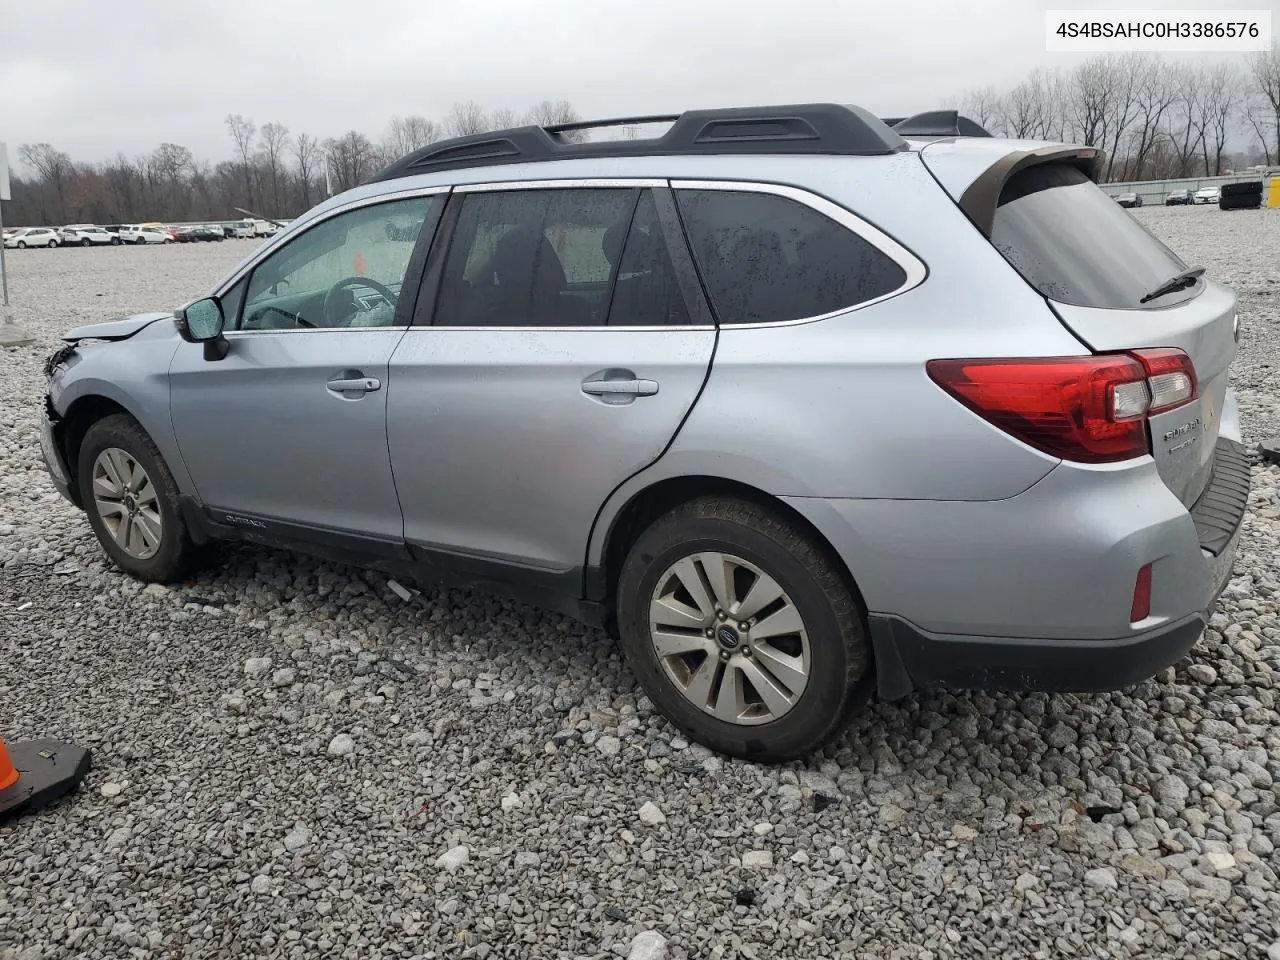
[[132, 501], [743, 629], [22, 244]]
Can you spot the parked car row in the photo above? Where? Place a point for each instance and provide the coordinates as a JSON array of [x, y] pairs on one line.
[[92, 235], [1173, 198]]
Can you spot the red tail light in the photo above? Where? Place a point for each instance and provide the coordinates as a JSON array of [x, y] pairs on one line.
[[1087, 409]]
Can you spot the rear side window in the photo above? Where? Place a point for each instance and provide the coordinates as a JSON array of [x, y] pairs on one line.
[[1074, 244], [572, 257], [766, 258]]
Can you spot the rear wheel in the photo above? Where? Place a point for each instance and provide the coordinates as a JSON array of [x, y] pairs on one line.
[[132, 501], [115, 241], [53, 244], [743, 629]]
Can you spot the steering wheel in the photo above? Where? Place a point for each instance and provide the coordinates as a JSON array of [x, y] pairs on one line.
[[330, 297]]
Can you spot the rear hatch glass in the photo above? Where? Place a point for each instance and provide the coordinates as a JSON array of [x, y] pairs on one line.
[[1075, 244], [1095, 264]]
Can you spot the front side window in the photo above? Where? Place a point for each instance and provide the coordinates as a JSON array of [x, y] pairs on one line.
[[767, 259], [346, 271], [535, 258]]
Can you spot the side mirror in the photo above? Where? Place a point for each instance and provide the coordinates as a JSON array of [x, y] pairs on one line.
[[202, 322]]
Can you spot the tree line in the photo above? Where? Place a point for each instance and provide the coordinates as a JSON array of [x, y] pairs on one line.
[[272, 171], [1153, 118]]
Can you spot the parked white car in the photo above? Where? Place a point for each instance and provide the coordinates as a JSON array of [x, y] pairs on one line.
[[264, 228], [1207, 195], [31, 237], [86, 235], [140, 235], [243, 229]]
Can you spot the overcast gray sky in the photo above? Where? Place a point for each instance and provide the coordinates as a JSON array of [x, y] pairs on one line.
[[94, 78]]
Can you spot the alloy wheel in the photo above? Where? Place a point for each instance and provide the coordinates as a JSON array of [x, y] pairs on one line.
[[730, 638], [127, 502]]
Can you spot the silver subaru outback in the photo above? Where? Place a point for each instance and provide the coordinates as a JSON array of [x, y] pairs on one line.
[[800, 404]]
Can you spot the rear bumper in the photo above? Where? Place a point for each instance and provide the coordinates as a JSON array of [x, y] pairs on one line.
[[908, 658], [1035, 592]]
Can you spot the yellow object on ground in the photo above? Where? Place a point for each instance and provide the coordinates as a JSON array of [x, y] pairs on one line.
[[1273, 192]]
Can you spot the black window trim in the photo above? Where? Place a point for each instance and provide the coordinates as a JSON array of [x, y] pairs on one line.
[[914, 270], [409, 291], [682, 259]]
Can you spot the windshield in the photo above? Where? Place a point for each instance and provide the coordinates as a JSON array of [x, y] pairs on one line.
[[1073, 243]]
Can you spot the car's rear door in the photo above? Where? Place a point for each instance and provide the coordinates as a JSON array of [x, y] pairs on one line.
[[561, 346]]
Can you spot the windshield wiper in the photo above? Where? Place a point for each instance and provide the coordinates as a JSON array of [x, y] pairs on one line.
[[1183, 280]]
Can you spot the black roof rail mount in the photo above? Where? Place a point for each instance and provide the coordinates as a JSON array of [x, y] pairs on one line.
[[937, 123], [808, 128]]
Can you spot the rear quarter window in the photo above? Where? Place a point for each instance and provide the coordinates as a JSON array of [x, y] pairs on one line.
[[1074, 244], [768, 259]]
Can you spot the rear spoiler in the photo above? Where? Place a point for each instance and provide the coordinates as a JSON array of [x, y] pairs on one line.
[[980, 198]]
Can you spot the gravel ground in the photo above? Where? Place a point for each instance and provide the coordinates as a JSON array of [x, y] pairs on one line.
[[290, 760]]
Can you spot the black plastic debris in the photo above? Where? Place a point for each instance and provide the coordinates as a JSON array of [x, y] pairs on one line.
[[745, 897]]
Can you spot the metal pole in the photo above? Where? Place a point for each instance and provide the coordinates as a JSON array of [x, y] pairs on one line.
[[4, 277], [10, 334]]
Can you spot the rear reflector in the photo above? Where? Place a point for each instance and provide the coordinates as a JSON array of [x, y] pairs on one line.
[[1141, 608], [1090, 409]]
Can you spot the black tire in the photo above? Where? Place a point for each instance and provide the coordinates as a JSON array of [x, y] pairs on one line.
[[22, 244], [53, 244], [115, 241], [840, 654], [1251, 188], [141, 242], [177, 555]]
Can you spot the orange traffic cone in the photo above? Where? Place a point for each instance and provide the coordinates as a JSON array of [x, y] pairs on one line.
[[8, 772], [36, 772]]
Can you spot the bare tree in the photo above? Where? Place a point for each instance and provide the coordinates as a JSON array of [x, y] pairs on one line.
[[983, 106], [242, 131], [275, 137], [1090, 103], [503, 119], [1218, 107], [1157, 91], [547, 113], [407, 134], [1183, 129], [53, 168], [1264, 72], [465, 119], [352, 157], [306, 155]]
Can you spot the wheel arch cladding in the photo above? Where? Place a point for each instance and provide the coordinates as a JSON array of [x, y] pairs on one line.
[[647, 505], [83, 413]]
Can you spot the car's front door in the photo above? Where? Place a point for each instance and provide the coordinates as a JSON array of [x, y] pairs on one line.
[[569, 342], [286, 434]]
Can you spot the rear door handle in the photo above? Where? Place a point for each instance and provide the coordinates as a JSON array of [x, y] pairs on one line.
[[355, 385], [632, 388]]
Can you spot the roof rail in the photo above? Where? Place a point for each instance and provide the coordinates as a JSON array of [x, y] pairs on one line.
[[937, 123], [809, 128]]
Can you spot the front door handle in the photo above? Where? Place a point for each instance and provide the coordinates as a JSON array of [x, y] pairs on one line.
[[629, 388], [355, 385]]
